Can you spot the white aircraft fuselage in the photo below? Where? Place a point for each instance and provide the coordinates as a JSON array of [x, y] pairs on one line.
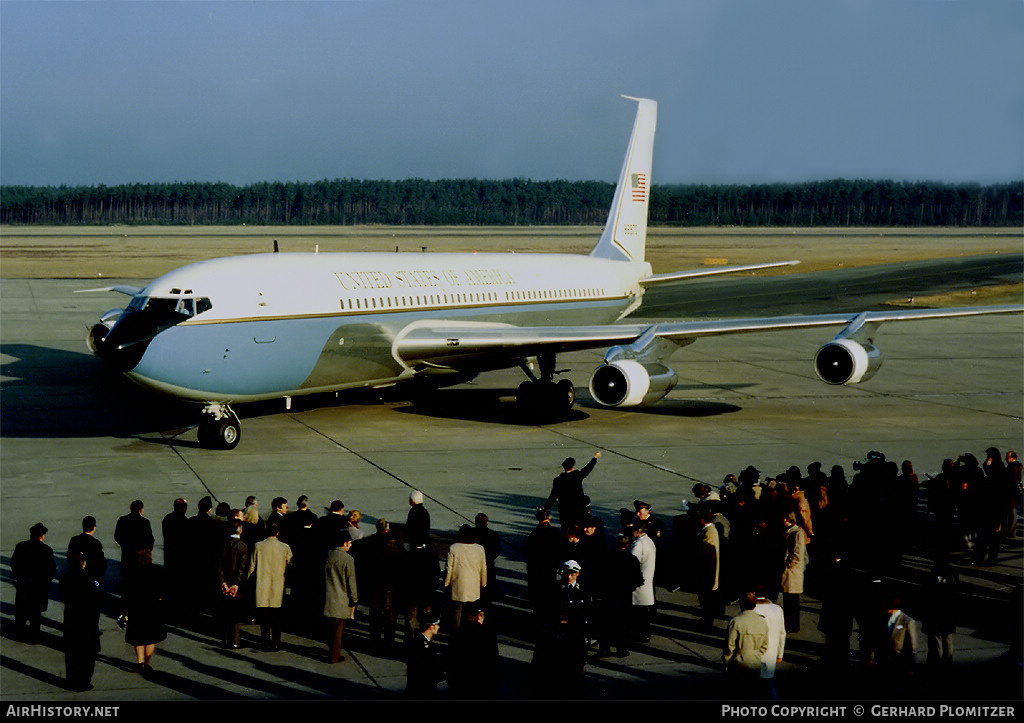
[[287, 324]]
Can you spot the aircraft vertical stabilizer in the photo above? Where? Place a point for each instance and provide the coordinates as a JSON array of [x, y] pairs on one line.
[[625, 233]]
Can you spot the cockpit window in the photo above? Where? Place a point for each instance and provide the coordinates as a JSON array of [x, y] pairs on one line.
[[147, 316], [191, 307], [185, 307]]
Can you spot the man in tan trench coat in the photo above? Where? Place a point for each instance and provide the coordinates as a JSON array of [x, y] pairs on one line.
[[466, 572], [269, 562], [793, 571]]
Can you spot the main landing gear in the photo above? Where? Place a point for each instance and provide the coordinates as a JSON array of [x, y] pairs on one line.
[[542, 398], [220, 428]]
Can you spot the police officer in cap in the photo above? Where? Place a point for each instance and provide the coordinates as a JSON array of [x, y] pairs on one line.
[[654, 526], [423, 668]]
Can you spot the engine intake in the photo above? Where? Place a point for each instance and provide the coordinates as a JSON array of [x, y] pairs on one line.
[[98, 333], [844, 361], [629, 383]]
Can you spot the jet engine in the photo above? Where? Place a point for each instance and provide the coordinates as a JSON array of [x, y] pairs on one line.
[[845, 361], [630, 383], [98, 332]]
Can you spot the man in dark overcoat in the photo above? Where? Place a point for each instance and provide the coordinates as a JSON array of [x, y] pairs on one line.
[[621, 575], [33, 566], [422, 568], [232, 573], [567, 491], [80, 592], [545, 549], [205, 541], [177, 560], [328, 528], [133, 533], [91, 548], [378, 574]]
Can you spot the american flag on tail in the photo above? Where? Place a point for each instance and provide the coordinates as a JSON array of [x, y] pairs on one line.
[[639, 186]]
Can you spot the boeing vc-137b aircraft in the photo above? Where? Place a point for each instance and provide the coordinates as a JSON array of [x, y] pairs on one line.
[[278, 325]]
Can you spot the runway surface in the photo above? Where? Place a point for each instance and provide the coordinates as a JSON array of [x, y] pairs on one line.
[[846, 289], [78, 440]]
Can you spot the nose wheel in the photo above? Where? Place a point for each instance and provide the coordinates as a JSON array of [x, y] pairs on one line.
[[219, 428]]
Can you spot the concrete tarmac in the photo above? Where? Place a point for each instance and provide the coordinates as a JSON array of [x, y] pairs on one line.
[[78, 440]]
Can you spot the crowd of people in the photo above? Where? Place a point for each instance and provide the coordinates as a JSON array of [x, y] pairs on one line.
[[293, 570], [756, 540]]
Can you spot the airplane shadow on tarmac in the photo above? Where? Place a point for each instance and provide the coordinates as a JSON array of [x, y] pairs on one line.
[[490, 406], [497, 406], [55, 393]]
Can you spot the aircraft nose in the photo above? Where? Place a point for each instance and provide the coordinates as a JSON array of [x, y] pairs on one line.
[[121, 345]]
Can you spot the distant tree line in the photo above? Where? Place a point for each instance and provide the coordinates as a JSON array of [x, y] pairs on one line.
[[515, 202]]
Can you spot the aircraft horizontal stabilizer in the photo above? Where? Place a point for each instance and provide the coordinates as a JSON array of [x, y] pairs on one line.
[[126, 290], [715, 271]]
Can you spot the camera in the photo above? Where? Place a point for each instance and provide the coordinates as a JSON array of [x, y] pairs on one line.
[[871, 456]]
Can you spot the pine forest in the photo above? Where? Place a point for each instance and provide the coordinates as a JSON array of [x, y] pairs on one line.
[[514, 202]]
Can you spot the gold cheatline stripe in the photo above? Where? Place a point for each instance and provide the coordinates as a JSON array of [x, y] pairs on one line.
[[392, 310]]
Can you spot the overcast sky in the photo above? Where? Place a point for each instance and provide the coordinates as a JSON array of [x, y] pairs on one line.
[[749, 91]]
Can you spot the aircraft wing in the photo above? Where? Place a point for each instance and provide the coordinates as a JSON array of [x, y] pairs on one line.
[[481, 347]]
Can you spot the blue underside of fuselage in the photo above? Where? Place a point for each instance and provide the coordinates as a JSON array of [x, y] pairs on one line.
[[263, 359]]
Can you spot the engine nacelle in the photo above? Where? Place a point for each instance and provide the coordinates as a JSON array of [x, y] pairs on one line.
[[99, 331], [844, 361], [629, 383]]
